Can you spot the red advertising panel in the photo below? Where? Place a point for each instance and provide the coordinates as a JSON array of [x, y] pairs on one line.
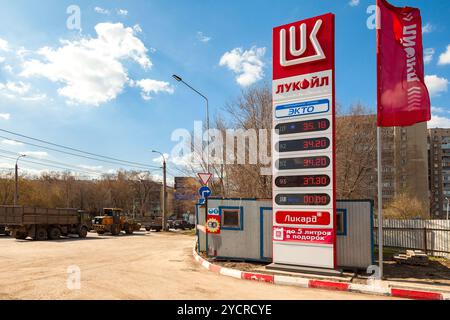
[[304, 196], [320, 236], [213, 224], [314, 218], [403, 98]]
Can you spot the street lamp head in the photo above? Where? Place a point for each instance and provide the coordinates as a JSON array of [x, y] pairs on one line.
[[177, 78]]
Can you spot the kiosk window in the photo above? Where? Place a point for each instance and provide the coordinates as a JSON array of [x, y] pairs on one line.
[[231, 218]]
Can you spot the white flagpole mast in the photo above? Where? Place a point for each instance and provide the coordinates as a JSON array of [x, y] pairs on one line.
[[380, 204], [379, 150]]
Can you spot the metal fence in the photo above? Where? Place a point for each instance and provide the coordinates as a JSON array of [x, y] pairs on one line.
[[431, 236]]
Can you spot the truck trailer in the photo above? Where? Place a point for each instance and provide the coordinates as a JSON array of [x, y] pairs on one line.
[[43, 224], [151, 222]]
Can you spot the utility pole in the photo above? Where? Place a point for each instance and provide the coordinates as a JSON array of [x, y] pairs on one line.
[[164, 195], [448, 203], [16, 191], [164, 191]]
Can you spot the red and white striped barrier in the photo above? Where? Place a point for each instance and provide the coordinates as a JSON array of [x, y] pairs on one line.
[[379, 289]]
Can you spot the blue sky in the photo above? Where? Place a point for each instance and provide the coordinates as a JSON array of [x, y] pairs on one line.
[[108, 89]]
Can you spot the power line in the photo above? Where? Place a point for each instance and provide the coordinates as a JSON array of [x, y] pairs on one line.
[[74, 149], [51, 161], [78, 155], [53, 166]]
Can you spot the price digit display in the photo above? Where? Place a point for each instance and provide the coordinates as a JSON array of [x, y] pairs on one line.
[[303, 126], [314, 199], [303, 145], [307, 181], [303, 163]]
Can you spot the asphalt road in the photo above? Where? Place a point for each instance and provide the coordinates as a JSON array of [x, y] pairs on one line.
[[141, 266]]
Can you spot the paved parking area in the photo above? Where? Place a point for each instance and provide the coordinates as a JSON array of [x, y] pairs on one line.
[[142, 266]]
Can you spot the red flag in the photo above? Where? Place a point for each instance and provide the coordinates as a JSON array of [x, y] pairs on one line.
[[403, 97]]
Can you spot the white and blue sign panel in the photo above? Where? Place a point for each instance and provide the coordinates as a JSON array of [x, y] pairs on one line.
[[205, 192], [302, 108], [213, 212]]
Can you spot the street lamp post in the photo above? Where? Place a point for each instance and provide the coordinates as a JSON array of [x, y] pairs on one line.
[[179, 79], [164, 202], [16, 192]]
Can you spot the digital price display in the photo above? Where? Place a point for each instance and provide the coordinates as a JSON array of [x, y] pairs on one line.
[[303, 145], [303, 163], [303, 126], [306, 181], [314, 199]]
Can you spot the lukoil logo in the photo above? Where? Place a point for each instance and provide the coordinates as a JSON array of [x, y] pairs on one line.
[[319, 53]]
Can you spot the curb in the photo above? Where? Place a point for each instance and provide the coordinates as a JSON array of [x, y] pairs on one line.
[[376, 289]]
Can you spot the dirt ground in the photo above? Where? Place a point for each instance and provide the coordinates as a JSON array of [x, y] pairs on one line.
[[142, 266]]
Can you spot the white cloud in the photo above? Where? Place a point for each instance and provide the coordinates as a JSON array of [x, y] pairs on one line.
[[149, 86], [438, 122], [4, 45], [137, 28], [202, 37], [427, 28], [20, 90], [428, 55], [101, 10], [444, 58], [437, 110], [91, 69], [12, 143], [160, 159], [35, 97], [157, 177], [93, 168], [5, 116], [36, 154], [247, 65], [436, 85], [122, 12], [8, 68], [353, 3], [2, 59]]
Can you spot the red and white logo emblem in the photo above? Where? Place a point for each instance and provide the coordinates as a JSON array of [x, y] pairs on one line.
[[303, 47], [319, 54]]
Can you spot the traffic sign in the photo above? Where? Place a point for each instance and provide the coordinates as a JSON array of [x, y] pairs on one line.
[[204, 192], [205, 178]]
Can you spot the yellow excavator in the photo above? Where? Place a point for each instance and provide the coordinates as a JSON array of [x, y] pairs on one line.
[[114, 221]]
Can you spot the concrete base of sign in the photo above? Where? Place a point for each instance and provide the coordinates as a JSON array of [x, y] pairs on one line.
[[302, 269]]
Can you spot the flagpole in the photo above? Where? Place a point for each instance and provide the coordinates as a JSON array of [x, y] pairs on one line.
[[379, 150], [380, 204]]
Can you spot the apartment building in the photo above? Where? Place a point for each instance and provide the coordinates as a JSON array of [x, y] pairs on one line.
[[439, 172], [404, 160]]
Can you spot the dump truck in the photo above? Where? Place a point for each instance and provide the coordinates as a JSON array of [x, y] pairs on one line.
[[151, 222], [114, 221], [43, 224]]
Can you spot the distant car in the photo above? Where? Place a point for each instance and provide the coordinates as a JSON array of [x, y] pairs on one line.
[[3, 230], [173, 223]]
